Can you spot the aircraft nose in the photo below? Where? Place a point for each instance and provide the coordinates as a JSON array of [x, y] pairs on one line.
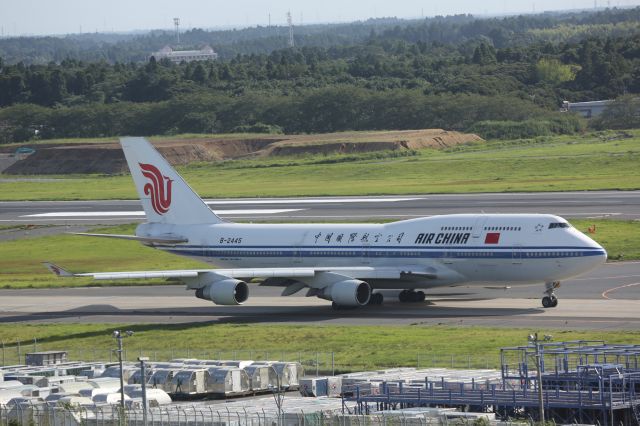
[[599, 253], [603, 255]]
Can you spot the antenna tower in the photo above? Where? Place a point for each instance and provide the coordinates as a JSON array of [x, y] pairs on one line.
[[176, 22], [290, 22]]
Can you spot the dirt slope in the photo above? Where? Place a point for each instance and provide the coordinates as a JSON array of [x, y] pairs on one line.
[[107, 158]]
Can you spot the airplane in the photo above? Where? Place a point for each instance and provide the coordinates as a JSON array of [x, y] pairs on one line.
[[347, 264]]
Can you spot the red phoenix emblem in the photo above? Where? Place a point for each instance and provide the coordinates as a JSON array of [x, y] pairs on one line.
[[158, 188]]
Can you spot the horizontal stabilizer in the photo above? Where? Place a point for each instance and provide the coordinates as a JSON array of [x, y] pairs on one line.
[[57, 270], [145, 240]]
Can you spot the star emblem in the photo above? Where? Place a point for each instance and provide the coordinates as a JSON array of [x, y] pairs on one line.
[[539, 227]]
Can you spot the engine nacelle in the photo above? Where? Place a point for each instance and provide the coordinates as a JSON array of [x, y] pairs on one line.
[[350, 293], [225, 292]]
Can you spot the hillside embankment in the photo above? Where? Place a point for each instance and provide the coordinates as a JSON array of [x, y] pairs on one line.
[[107, 157]]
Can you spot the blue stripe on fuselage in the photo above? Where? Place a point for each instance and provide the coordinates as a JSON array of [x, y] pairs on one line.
[[369, 247], [374, 252]]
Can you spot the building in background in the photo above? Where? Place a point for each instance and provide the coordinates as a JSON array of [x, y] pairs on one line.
[[177, 56], [586, 109]]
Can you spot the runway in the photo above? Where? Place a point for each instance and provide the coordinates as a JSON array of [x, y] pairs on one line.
[[606, 299], [601, 204]]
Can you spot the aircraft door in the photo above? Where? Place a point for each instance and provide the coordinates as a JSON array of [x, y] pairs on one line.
[[516, 255], [297, 256], [298, 251], [366, 253], [478, 228]]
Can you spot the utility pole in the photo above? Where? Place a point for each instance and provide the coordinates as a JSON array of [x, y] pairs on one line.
[[533, 338], [117, 334], [143, 380], [290, 22], [176, 22]]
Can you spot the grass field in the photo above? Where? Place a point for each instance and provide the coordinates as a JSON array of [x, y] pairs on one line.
[[20, 260], [355, 347], [21, 268], [594, 161]]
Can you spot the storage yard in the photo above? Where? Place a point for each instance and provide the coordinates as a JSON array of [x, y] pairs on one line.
[[581, 381]]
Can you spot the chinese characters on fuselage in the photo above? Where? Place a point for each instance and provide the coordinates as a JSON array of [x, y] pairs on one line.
[[355, 237]]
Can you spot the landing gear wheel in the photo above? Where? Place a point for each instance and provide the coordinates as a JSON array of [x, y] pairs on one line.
[[404, 296], [420, 296], [549, 301], [376, 299]]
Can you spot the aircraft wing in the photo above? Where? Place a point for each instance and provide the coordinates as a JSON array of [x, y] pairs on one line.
[[187, 273], [363, 273]]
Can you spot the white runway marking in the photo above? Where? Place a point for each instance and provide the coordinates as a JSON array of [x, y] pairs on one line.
[[313, 200], [141, 213]]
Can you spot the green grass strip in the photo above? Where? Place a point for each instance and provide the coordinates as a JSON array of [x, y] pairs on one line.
[[354, 347]]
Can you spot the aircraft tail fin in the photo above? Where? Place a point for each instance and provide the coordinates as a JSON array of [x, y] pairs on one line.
[[166, 197]]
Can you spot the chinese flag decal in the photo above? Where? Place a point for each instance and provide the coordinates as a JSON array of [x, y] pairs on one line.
[[492, 238]]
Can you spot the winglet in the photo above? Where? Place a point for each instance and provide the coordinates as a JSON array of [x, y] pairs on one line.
[[57, 270]]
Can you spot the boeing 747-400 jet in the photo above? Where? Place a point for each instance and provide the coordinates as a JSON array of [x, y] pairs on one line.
[[347, 264]]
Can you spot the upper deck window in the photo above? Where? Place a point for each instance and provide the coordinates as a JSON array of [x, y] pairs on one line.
[[559, 225]]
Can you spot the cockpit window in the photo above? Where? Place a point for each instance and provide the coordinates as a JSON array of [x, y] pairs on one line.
[[559, 225]]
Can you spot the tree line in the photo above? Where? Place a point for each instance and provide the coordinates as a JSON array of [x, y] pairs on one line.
[[456, 29], [386, 81], [336, 108]]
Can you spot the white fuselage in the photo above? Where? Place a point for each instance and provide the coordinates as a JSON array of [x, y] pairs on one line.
[[466, 248]]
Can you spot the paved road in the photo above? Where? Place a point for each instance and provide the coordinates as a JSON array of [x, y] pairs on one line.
[[608, 298], [568, 204]]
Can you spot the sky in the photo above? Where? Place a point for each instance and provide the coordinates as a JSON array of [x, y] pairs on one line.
[[42, 17]]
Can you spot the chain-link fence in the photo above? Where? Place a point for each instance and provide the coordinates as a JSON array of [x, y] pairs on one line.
[[214, 415]]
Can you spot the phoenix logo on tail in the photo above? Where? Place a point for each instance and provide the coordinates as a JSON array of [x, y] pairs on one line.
[[158, 188]]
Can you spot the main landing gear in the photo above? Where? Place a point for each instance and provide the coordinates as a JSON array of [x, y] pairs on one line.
[[550, 300], [411, 296], [376, 299]]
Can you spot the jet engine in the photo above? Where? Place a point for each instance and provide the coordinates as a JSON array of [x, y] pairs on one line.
[[348, 293], [224, 292]]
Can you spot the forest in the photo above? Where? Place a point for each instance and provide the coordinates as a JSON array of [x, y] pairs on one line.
[[499, 77]]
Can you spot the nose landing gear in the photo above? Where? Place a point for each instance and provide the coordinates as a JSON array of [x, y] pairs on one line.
[[550, 300]]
